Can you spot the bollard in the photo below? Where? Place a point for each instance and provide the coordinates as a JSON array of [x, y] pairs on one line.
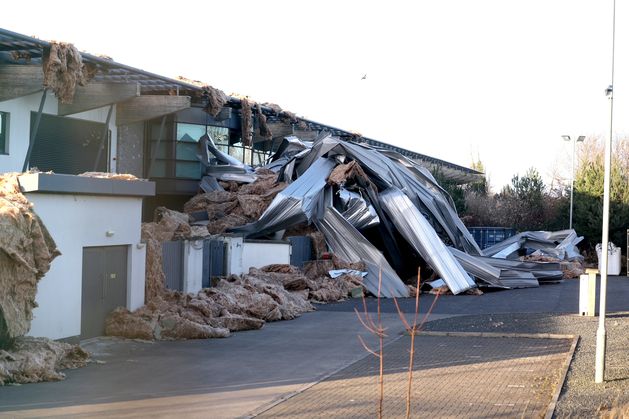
[[587, 293]]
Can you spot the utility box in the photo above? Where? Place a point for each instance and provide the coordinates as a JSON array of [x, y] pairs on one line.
[[182, 261], [213, 260], [233, 258], [192, 266], [613, 258], [587, 293]]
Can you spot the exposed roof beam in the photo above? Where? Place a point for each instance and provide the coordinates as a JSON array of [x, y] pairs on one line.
[[142, 108], [96, 95], [20, 80]]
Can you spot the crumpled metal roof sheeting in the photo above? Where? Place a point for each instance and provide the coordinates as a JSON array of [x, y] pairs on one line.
[[296, 204], [559, 244], [414, 180], [419, 233], [477, 268], [397, 196], [494, 276], [357, 211], [350, 245], [542, 271]]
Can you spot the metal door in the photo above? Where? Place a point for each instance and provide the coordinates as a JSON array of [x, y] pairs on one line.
[[172, 264], [301, 250], [213, 261], [104, 286]]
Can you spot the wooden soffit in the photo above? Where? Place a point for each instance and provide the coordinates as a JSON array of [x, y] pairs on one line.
[[20, 80], [98, 94], [143, 108]]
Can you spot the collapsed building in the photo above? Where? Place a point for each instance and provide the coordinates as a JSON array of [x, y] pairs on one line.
[[387, 211], [139, 174], [66, 113]]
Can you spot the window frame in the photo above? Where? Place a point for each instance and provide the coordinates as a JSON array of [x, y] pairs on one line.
[[5, 126]]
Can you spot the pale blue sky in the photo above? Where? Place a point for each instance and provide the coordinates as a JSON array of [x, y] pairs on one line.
[[453, 79]]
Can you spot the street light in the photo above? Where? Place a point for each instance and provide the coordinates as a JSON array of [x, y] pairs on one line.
[[579, 139]]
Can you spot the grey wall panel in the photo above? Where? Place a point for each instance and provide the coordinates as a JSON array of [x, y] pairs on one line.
[[301, 250], [213, 260], [130, 151], [172, 263]]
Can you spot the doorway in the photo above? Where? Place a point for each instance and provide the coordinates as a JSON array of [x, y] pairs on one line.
[[104, 286]]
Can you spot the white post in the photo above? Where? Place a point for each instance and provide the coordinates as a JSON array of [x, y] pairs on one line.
[[601, 335]]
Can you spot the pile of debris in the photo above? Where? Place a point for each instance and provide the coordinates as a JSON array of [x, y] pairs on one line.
[[31, 360], [26, 251], [558, 249], [230, 204], [275, 292], [64, 70], [245, 302], [383, 213], [372, 206], [375, 205]]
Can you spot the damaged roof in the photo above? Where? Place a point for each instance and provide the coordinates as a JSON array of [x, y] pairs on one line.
[[20, 49]]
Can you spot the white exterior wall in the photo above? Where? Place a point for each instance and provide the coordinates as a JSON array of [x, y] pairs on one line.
[[20, 127], [257, 255], [193, 266], [77, 221]]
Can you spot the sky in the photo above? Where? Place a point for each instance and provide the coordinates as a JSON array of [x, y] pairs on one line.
[[460, 80]]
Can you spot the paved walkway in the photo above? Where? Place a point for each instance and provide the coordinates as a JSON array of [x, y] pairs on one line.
[[226, 378], [218, 378], [454, 377]]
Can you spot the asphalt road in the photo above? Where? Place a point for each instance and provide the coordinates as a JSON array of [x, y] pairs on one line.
[[231, 377]]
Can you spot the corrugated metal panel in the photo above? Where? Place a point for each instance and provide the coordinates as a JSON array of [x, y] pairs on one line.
[[416, 229], [213, 260], [301, 250], [172, 263], [350, 245]]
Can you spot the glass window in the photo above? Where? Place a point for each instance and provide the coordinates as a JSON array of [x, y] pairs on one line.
[[190, 133], [220, 135], [187, 164], [4, 132]]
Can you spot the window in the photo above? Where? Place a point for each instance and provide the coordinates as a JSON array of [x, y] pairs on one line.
[[187, 163], [4, 132], [70, 146]]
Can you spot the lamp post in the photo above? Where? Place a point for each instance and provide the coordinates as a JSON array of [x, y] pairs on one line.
[[579, 139], [601, 334]]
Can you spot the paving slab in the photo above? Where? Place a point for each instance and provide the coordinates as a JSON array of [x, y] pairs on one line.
[[455, 376]]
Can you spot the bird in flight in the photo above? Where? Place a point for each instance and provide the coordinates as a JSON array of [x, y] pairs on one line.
[[364, 77]]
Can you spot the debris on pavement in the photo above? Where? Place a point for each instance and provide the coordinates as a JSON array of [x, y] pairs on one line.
[[377, 210], [245, 302], [31, 360]]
